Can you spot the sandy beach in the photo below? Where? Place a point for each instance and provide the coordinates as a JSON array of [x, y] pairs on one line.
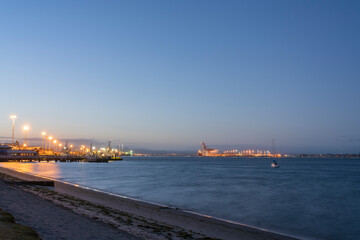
[[52, 221], [69, 211]]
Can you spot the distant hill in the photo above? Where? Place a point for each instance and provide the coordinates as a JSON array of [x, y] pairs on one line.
[[163, 152]]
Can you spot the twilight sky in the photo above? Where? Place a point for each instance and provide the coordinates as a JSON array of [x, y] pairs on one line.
[[168, 74]]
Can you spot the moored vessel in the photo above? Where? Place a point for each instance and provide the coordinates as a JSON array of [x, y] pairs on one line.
[[274, 164]]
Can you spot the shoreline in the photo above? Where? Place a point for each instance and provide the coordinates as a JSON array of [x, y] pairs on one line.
[[186, 222]]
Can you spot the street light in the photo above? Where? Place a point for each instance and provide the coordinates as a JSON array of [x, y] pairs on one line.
[[43, 140], [26, 129], [13, 117], [50, 138]]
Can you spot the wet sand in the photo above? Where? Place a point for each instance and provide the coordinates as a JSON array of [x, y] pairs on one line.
[[141, 219]]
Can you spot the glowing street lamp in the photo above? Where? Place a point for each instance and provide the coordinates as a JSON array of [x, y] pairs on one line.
[[13, 117], [54, 145], [26, 129], [50, 138], [43, 140]]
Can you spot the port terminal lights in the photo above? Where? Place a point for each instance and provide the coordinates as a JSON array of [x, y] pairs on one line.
[[13, 117]]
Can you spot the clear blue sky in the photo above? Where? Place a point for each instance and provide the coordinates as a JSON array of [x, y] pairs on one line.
[[168, 74]]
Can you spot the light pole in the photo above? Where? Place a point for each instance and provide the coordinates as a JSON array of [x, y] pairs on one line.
[[55, 145], [13, 117], [43, 140], [50, 138], [26, 128]]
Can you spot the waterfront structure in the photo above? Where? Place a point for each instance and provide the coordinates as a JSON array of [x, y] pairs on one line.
[[208, 152], [4, 149], [50, 147], [23, 152], [211, 152]]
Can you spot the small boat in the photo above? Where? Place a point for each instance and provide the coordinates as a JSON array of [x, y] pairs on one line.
[[116, 158], [274, 164]]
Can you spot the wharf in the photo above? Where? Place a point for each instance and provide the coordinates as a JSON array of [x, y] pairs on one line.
[[47, 158]]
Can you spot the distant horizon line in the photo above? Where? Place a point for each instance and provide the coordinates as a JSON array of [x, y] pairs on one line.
[[189, 150]]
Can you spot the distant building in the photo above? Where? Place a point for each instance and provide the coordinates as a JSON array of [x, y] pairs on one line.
[[4, 149], [8, 150], [22, 152]]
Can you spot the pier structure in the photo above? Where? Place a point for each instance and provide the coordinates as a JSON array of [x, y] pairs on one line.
[[9, 154], [40, 158]]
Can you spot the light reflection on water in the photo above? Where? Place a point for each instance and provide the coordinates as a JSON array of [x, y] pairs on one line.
[[45, 169], [317, 198]]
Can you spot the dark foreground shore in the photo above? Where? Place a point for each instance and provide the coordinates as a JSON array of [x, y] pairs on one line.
[[10, 230], [67, 211], [51, 221]]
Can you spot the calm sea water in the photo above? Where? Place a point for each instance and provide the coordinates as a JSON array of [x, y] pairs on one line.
[[309, 198]]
